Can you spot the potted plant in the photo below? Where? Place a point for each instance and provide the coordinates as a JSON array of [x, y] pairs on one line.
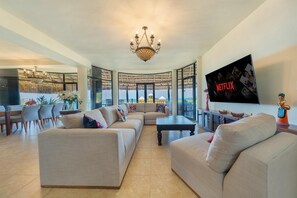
[[70, 97], [30, 102], [42, 100]]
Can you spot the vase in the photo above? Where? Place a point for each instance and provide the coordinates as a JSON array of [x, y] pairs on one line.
[[71, 105]]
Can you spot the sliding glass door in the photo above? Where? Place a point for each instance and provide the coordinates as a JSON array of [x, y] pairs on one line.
[[188, 99], [145, 92], [186, 91]]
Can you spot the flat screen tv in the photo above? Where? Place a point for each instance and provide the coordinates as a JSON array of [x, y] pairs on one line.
[[235, 82]]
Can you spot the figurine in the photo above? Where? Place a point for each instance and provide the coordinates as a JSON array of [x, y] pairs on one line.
[[282, 115], [207, 99]]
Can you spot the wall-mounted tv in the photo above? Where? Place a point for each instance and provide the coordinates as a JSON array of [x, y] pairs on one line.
[[235, 82]]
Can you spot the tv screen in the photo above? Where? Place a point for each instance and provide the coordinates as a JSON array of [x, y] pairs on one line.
[[235, 82]]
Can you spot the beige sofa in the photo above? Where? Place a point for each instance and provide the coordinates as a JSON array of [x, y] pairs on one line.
[[72, 156], [245, 159], [148, 110]]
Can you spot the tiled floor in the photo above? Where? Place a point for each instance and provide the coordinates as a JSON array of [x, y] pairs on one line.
[[148, 176]]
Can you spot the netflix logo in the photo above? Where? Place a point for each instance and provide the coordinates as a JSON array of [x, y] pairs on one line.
[[225, 86]]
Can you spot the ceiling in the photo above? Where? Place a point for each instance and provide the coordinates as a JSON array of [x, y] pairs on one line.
[[100, 30]]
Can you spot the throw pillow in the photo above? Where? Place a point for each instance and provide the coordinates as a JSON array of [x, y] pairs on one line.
[[124, 107], [231, 139], [121, 114], [160, 108], [97, 115], [211, 138], [90, 123], [132, 108]]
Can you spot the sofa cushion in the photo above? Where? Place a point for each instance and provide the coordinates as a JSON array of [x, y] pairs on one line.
[[149, 107], [76, 120], [129, 124], [230, 139], [153, 115], [73, 121], [139, 107], [136, 115], [110, 115]]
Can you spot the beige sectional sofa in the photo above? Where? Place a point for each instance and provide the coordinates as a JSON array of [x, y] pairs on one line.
[[148, 110], [73, 156], [245, 159]]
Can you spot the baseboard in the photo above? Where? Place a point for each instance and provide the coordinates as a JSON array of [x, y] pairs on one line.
[[80, 187]]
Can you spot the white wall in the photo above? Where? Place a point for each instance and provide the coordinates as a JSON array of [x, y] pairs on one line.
[[270, 35]]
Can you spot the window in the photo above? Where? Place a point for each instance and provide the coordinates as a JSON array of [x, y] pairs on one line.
[[186, 91], [99, 87], [147, 88], [33, 88]]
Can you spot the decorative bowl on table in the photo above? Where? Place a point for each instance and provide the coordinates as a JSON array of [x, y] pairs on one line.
[[237, 115], [223, 111]]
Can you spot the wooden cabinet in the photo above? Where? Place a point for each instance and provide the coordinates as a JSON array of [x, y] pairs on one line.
[[210, 120], [289, 129]]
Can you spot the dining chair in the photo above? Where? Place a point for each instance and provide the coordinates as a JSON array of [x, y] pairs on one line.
[[29, 114], [56, 110], [45, 114], [2, 117], [15, 107], [15, 118]]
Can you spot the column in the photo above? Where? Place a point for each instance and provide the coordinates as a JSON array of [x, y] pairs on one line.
[[82, 74], [174, 93], [115, 88], [200, 92]]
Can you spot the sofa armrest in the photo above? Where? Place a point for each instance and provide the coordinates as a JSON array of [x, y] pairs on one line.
[[267, 169], [167, 111], [80, 157]]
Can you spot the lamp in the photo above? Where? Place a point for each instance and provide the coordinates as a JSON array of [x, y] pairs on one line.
[[145, 50], [35, 76]]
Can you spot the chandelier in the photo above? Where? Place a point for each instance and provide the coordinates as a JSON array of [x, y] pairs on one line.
[[35, 76], [144, 47]]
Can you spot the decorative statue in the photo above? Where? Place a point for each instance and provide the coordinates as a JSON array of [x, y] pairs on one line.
[[207, 99], [282, 115]]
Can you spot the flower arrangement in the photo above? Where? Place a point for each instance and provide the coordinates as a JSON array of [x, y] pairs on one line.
[[70, 97], [30, 102]]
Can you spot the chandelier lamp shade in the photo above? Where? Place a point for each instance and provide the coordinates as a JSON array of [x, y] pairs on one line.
[[143, 46]]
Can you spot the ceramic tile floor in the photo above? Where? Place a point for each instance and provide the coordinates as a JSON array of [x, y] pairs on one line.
[[148, 176]]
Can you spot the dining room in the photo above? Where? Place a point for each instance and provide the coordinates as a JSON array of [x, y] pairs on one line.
[[32, 99]]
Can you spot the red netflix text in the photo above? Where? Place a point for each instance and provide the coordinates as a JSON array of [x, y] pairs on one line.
[[225, 86]]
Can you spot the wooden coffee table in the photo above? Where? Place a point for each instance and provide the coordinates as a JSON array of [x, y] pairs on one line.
[[173, 123]]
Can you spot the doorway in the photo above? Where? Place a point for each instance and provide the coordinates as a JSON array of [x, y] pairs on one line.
[[186, 91], [145, 92]]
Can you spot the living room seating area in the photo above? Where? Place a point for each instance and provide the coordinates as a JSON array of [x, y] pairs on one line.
[[245, 159], [106, 160], [148, 99]]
